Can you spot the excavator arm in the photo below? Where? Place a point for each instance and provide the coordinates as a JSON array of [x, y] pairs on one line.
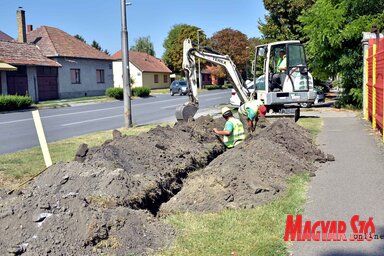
[[189, 109]]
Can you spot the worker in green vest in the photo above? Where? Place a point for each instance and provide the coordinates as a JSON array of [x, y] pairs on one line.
[[233, 132], [252, 110]]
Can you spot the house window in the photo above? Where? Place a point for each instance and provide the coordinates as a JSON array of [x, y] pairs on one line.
[[100, 76], [165, 79], [75, 76], [156, 79]]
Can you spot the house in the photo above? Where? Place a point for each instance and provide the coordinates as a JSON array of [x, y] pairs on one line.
[[85, 71], [23, 70], [145, 70]]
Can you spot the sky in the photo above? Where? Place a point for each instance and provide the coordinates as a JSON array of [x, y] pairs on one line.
[[100, 20]]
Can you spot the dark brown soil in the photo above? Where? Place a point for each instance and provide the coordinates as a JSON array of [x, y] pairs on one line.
[[250, 174], [107, 201]]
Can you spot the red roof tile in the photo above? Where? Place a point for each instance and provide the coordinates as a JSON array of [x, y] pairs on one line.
[[16, 53], [54, 42], [144, 62], [5, 37]]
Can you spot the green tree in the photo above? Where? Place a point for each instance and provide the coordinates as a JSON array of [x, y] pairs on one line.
[[96, 45], [173, 44], [80, 38], [233, 43], [143, 44], [281, 20], [334, 29]]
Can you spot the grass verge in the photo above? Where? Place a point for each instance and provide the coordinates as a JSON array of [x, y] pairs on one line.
[[19, 166], [258, 231]]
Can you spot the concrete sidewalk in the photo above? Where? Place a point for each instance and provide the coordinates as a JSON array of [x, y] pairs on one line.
[[353, 184]]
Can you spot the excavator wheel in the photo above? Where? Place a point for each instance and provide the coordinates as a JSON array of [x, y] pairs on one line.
[[185, 112]]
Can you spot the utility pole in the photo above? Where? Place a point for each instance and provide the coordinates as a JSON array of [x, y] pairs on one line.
[[198, 48], [126, 75]]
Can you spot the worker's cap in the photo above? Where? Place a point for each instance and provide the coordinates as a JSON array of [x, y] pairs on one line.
[[242, 110], [262, 111], [225, 111]]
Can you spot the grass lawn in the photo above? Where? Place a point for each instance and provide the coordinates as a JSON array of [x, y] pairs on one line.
[[256, 231]]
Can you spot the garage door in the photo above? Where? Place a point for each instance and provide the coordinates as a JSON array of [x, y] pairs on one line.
[[17, 81], [47, 83]]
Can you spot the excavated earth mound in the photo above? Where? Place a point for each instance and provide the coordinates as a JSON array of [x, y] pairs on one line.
[[250, 174], [106, 200]]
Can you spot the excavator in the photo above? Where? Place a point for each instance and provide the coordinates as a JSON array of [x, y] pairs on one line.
[[295, 87]]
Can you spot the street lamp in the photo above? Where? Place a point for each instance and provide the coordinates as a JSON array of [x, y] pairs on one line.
[[198, 48], [126, 75]]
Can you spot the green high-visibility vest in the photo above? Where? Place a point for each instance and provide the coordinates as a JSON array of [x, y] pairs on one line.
[[237, 134]]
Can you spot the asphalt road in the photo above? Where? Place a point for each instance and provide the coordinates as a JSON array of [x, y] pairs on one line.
[[17, 130], [351, 185]]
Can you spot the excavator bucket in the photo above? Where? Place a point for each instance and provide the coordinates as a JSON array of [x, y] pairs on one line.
[[185, 112]]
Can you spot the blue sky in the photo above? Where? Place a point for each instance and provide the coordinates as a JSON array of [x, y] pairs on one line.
[[100, 20]]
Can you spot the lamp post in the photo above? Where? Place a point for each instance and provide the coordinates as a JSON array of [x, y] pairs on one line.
[[126, 75], [198, 48]]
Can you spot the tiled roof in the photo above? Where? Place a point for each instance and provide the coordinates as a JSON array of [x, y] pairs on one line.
[[5, 37], [54, 42], [144, 62], [16, 53]]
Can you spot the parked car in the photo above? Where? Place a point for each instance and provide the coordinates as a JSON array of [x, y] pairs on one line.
[[234, 100], [178, 87]]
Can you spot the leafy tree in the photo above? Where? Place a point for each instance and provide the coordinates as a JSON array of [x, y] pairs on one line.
[[106, 52], [96, 45], [281, 20], [233, 43], [173, 44], [143, 44], [80, 38], [334, 29]]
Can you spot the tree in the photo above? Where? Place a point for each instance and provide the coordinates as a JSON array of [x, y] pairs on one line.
[[80, 38], [173, 44], [334, 29], [233, 43], [96, 45], [143, 44], [281, 21]]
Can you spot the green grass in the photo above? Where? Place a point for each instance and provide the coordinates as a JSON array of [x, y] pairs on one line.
[[258, 231], [66, 102], [19, 166]]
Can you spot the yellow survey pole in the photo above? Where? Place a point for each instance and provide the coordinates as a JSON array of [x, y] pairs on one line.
[[42, 140]]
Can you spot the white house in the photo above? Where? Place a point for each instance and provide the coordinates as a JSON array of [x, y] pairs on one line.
[[145, 70]]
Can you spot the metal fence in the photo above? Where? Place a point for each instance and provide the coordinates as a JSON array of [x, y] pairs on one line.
[[374, 84]]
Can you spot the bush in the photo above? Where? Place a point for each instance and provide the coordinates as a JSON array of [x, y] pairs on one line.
[[116, 93], [141, 91], [13, 102], [214, 87]]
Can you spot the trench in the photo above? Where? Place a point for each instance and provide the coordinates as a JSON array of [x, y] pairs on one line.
[[168, 188]]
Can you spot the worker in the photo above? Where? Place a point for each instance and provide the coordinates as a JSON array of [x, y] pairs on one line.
[[253, 110], [279, 76], [233, 130]]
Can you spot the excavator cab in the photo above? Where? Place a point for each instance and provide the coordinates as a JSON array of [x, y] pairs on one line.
[[281, 75]]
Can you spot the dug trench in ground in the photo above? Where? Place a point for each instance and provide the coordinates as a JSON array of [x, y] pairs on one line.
[[102, 203]]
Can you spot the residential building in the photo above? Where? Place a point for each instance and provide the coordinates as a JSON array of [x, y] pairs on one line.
[[145, 70]]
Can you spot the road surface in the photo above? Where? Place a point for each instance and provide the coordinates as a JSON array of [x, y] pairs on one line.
[[17, 130]]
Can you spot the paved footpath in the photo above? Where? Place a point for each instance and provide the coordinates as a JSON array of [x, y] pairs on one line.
[[353, 184]]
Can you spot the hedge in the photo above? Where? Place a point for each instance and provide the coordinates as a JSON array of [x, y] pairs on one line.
[[13, 102], [215, 87], [117, 93]]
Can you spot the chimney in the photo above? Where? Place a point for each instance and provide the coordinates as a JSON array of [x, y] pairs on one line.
[[29, 28], [21, 31]]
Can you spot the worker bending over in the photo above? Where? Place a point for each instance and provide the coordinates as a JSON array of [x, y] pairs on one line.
[[233, 130], [253, 110]]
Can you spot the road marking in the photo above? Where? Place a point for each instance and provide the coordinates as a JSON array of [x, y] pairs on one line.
[[92, 120], [103, 109]]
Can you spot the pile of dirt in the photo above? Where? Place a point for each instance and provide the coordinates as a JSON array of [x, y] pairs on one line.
[[106, 200], [250, 174]]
